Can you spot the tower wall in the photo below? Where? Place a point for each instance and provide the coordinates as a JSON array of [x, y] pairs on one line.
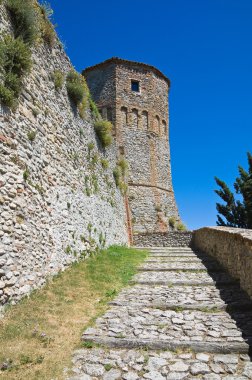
[[141, 129]]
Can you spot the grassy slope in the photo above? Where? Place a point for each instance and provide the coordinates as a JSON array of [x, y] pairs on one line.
[[41, 332]]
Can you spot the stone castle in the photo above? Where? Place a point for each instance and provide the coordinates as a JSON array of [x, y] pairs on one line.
[[57, 199], [134, 97]]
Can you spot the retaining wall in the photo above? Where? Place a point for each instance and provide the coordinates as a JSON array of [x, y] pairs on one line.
[[232, 247], [166, 239]]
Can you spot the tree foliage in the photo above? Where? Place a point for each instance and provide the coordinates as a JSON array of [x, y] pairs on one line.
[[235, 212]]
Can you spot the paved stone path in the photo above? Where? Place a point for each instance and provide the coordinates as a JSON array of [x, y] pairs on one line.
[[182, 318]]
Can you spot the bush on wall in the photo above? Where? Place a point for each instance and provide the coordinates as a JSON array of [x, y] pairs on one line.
[[103, 129], [75, 87], [47, 28], [120, 173], [24, 19], [15, 62]]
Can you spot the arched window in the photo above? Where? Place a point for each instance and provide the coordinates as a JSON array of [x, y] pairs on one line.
[[164, 125], [124, 116], [109, 114], [145, 121], [157, 124], [134, 118]]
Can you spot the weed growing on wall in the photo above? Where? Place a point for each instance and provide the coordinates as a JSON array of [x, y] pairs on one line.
[[104, 163], [24, 20], [31, 135], [75, 87], [103, 129], [123, 165], [120, 173], [93, 108], [181, 227], [58, 78], [46, 27], [15, 61], [172, 221]]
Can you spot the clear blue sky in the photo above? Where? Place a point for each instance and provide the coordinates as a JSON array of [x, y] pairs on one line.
[[205, 48]]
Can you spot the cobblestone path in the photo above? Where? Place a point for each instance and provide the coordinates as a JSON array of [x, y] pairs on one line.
[[183, 317]]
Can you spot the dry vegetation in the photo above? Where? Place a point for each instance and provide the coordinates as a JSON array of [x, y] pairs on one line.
[[38, 336]]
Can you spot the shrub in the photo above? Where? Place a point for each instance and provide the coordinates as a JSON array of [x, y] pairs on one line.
[[13, 83], [58, 78], [35, 112], [104, 163], [172, 221], [117, 175], [15, 56], [47, 28], [75, 87], [181, 227], [103, 130], [123, 164], [7, 97], [123, 187], [83, 107], [90, 148], [26, 174], [15, 62], [31, 135], [24, 19], [93, 108]]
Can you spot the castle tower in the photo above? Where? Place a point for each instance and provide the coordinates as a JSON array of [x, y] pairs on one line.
[[134, 97]]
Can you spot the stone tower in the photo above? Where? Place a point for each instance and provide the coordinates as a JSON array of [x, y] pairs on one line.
[[134, 97]]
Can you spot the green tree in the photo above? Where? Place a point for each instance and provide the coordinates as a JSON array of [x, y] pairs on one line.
[[236, 213]]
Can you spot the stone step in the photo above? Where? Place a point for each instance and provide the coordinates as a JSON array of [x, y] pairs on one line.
[[166, 269], [173, 345], [181, 278], [226, 298], [179, 266], [172, 255], [205, 307], [175, 259], [164, 248], [164, 326], [118, 364]]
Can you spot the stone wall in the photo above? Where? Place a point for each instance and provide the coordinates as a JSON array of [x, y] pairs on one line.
[[56, 199], [232, 247], [169, 239], [141, 128]]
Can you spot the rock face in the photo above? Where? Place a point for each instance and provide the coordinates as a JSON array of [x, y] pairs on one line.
[[135, 97], [56, 199]]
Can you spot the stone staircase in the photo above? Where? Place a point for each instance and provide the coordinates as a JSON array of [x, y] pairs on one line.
[[183, 317]]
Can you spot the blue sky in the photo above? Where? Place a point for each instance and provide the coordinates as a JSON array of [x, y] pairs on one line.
[[205, 48]]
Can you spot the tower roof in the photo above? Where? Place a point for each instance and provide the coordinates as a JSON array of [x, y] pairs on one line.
[[117, 60]]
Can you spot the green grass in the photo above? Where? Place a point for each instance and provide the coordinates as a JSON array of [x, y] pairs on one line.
[[38, 335]]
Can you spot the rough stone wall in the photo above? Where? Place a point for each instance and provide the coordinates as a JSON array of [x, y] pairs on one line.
[[102, 87], [159, 239], [142, 136], [68, 202], [232, 247]]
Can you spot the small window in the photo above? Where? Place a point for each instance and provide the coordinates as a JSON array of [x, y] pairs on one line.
[[135, 86], [109, 114]]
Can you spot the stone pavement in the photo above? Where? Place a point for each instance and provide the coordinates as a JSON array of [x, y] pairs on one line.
[[183, 317]]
